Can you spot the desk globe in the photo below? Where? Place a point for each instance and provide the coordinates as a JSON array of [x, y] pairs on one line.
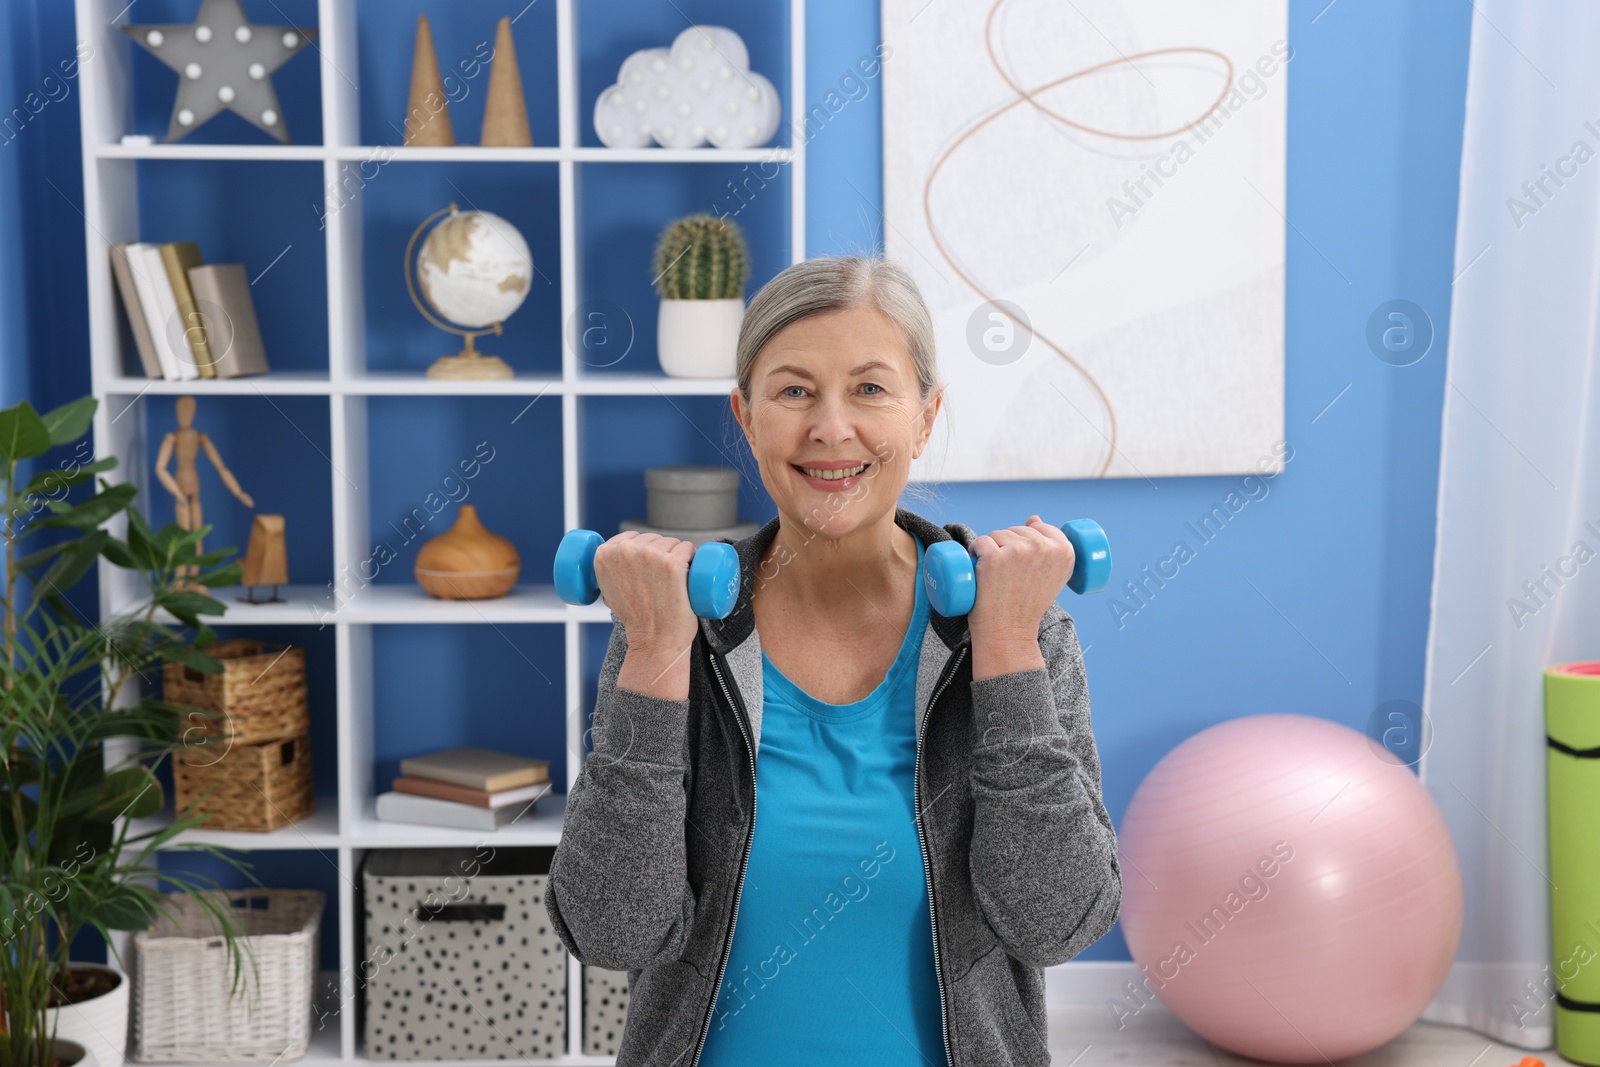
[[474, 271]]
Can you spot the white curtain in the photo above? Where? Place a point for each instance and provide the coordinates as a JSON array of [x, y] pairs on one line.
[[1517, 491]]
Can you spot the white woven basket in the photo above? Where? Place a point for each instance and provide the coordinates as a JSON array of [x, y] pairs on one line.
[[183, 1011]]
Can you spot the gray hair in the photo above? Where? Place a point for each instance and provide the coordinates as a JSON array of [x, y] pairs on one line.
[[839, 283]]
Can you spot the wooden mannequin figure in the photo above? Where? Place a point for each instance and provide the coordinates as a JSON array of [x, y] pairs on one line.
[[185, 487]]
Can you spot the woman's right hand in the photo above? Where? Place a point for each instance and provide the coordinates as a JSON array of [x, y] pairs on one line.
[[644, 578]]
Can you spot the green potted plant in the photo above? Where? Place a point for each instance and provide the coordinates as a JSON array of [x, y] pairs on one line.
[[67, 686], [701, 264]]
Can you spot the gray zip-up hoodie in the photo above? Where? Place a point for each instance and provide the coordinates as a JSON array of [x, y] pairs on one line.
[[1018, 848]]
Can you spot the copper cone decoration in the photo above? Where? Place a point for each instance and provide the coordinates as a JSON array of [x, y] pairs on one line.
[[428, 110], [505, 115]]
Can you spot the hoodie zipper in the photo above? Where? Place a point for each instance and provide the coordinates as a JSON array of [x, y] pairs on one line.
[[927, 870], [727, 945], [916, 787]]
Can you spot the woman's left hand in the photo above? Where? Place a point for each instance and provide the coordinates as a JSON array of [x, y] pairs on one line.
[[1020, 571]]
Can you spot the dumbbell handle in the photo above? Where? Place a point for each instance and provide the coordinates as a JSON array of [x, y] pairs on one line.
[[952, 585], [713, 574]]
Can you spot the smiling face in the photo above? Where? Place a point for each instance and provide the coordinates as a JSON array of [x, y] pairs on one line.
[[835, 419]]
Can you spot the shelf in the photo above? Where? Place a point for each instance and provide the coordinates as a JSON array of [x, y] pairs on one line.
[[452, 154], [311, 605], [389, 153], [415, 383], [277, 383], [324, 1045], [320, 829], [277, 152], [324, 1050], [304, 605], [542, 826], [409, 604], [682, 155], [590, 384], [540, 1061], [409, 383]]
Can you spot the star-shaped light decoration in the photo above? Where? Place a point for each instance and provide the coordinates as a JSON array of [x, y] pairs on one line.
[[223, 61]]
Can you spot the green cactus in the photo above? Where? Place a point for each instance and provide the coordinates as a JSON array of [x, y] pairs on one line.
[[701, 257]]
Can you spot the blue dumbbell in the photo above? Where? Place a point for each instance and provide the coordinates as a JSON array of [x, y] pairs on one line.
[[713, 574], [952, 586]]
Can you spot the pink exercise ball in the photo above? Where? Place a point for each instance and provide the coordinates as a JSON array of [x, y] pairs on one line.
[[1290, 890]]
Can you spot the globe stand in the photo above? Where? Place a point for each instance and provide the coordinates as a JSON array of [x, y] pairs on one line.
[[469, 364]]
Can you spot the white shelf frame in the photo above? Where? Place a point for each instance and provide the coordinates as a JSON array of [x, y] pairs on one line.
[[346, 824], [402, 383], [456, 154]]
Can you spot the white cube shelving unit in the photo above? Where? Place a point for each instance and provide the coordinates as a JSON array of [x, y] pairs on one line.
[[111, 215]]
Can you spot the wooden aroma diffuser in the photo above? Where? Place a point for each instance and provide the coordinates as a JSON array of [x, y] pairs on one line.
[[467, 561]]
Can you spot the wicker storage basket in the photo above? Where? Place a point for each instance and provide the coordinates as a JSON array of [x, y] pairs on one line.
[[257, 787], [184, 1010], [262, 688]]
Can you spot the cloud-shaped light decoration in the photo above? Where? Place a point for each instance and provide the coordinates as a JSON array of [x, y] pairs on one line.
[[701, 89]]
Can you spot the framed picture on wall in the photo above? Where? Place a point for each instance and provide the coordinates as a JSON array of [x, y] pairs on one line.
[[1091, 198]]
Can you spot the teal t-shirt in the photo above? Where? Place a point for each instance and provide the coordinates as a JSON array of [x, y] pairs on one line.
[[832, 956]]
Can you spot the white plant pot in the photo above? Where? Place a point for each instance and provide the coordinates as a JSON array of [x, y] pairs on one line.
[[73, 1053], [100, 1025], [699, 338]]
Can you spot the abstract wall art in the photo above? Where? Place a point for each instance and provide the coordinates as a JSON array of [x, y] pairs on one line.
[[1091, 197]]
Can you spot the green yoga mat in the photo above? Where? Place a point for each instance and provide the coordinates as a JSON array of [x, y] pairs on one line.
[[1572, 735]]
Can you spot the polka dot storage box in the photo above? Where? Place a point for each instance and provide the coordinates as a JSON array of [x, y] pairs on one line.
[[460, 961]]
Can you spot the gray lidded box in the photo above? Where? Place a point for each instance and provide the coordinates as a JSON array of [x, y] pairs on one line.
[[459, 958], [691, 497]]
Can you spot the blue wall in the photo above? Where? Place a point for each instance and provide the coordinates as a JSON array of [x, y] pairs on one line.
[[1313, 598]]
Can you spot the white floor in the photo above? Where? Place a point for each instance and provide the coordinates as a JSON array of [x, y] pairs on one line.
[[1088, 1036]]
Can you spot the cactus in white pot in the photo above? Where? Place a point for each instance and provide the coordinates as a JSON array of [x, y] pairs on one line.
[[701, 264]]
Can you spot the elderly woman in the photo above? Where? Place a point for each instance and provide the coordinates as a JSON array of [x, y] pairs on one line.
[[931, 832]]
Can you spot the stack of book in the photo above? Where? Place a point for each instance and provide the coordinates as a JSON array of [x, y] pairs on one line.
[[473, 788], [189, 319]]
